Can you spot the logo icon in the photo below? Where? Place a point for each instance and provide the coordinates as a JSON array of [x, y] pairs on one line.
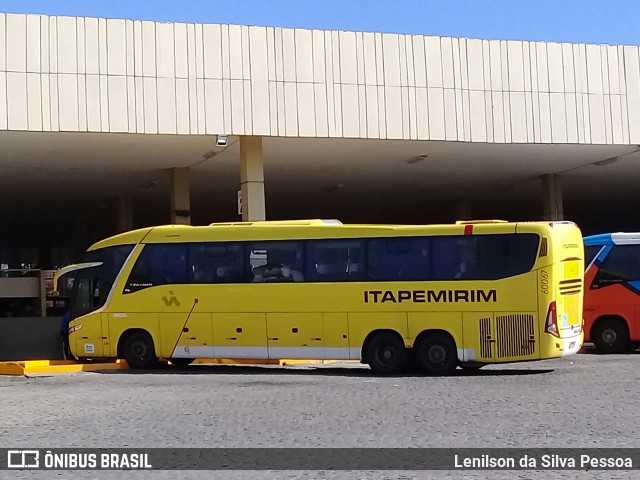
[[23, 459], [172, 300]]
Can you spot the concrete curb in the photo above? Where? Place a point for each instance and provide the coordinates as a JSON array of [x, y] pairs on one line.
[[35, 367]]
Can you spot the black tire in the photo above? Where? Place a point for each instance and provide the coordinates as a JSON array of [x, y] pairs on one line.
[[386, 354], [437, 354], [182, 362], [610, 335], [139, 351]]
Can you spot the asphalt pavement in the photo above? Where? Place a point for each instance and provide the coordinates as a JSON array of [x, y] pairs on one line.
[[586, 400]]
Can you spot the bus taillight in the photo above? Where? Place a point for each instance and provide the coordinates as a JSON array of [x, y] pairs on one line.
[[551, 326]]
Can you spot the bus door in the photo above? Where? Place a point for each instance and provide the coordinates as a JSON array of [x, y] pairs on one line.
[[86, 299]]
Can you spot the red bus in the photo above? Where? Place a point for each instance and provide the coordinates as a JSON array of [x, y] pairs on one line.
[[612, 291]]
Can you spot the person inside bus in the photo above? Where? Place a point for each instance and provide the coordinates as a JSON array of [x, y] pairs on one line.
[[279, 268]]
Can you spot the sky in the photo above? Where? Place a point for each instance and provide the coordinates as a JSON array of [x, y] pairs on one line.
[[579, 21]]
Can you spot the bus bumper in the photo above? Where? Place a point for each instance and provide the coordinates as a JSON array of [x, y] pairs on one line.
[[571, 345]]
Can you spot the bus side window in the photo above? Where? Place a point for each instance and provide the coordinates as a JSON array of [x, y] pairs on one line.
[[444, 259], [622, 264], [590, 253], [215, 263], [335, 260], [158, 264], [403, 258], [483, 257], [276, 261]]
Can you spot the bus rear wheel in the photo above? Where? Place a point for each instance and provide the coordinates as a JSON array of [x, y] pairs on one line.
[[139, 351], [386, 354], [437, 354], [610, 335]]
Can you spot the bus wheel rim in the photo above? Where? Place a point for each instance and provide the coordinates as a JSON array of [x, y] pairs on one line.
[[437, 354], [139, 349], [386, 354], [609, 336]]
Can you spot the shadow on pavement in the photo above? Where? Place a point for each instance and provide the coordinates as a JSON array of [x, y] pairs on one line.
[[313, 370], [589, 349]]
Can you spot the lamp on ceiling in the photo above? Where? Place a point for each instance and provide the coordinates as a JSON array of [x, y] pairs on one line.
[[606, 161], [417, 159], [222, 140]]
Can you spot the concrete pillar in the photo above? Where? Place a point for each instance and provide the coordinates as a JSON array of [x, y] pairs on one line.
[[252, 179], [124, 214], [180, 196], [552, 197], [463, 211]]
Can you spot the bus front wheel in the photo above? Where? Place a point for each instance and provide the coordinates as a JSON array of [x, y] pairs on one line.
[[386, 354], [139, 351], [437, 354], [610, 335]]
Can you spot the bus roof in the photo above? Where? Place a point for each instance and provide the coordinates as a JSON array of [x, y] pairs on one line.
[[619, 238], [132, 237], [309, 229], [306, 223]]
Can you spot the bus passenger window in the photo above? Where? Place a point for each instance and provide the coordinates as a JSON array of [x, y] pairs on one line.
[[335, 260], [403, 258], [216, 263], [466, 266], [483, 257], [276, 262]]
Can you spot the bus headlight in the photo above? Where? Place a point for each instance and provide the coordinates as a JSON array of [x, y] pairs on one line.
[[75, 328]]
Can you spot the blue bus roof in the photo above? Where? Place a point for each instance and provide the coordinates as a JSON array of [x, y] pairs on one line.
[[600, 239]]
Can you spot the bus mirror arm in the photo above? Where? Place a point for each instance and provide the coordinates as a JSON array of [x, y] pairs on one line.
[[184, 325]]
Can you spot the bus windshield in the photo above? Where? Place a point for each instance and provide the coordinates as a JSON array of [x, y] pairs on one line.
[[93, 283]]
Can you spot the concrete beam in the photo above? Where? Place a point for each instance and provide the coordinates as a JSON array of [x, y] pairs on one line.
[[252, 178], [180, 196]]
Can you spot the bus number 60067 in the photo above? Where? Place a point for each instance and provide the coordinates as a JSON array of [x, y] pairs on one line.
[[544, 282]]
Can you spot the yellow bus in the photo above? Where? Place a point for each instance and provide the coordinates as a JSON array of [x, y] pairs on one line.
[[392, 296]]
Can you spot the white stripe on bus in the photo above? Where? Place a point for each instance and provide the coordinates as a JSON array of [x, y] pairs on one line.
[[329, 353]]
